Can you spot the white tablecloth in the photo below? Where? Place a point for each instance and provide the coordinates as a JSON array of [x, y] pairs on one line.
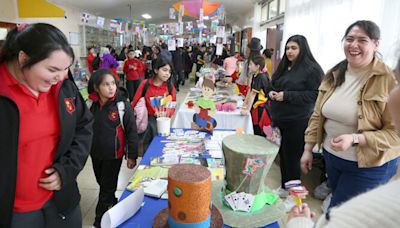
[[225, 120]]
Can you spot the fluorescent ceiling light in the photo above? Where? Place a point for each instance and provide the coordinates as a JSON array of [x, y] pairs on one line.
[[206, 18], [146, 16]]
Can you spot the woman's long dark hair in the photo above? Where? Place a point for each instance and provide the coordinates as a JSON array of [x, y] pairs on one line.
[[372, 31], [38, 41], [305, 58]]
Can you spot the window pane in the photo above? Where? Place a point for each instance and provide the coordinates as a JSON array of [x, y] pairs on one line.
[[272, 9], [282, 4], [264, 11]]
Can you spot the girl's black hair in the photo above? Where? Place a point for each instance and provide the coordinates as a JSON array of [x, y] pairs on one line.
[[305, 58], [38, 41], [97, 78], [372, 31], [161, 62], [268, 53]]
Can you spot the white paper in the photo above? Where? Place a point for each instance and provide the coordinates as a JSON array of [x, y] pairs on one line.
[[221, 31], [220, 48], [180, 42], [171, 45], [123, 210]]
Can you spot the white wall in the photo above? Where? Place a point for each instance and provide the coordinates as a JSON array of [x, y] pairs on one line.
[[323, 23], [66, 25]]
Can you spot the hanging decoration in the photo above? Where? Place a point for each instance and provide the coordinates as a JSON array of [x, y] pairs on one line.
[[192, 7], [85, 18]]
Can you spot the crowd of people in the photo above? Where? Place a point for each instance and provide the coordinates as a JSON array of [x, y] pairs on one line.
[[51, 130]]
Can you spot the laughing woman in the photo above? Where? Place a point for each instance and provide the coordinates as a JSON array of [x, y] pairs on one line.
[[351, 120]]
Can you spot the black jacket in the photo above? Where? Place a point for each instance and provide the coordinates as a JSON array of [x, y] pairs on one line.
[[178, 59], [72, 152], [300, 91], [109, 137]]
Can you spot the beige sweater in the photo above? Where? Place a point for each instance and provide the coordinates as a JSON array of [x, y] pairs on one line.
[[375, 209]]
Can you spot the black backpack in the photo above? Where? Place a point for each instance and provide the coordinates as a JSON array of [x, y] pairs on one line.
[[96, 63]]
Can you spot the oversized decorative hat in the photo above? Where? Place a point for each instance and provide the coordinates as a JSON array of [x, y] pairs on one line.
[[248, 159], [255, 44], [189, 199]]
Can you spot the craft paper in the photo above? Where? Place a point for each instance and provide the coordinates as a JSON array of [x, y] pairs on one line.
[[252, 165], [123, 210]]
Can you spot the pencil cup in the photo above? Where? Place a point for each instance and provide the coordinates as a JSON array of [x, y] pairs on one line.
[[163, 126]]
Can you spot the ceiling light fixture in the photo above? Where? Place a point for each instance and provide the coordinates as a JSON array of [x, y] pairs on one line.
[[146, 16]]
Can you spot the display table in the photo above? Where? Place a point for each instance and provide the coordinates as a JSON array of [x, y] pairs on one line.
[[225, 120], [144, 217]]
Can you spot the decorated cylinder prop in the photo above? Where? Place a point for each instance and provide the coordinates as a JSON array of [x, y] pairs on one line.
[[248, 159], [189, 196]]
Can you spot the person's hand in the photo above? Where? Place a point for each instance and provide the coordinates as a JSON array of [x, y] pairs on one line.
[[342, 142], [131, 163], [301, 211], [306, 162], [52, 182], [279, 96], [272, 95], [244, 112]]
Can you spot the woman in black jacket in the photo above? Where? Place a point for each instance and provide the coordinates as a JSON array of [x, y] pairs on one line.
[[46, 130], [293, 94]]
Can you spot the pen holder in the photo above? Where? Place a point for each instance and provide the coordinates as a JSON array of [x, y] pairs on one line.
[[163, 126]]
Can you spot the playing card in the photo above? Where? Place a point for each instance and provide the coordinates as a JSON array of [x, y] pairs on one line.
[[229, 199], [236, 198], [245, 202]]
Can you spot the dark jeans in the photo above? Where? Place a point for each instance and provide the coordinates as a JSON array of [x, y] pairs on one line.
[[132, 86], [348, 180], [48, 217], [181, 78], [291, 149], [106, 172]]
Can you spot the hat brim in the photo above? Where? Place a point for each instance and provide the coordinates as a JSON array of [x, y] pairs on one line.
[[161, 220], [255, 48]]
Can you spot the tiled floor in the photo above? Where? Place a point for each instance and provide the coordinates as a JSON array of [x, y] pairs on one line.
[[90, 190]]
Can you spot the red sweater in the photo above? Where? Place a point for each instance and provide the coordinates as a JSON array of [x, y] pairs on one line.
[[133, 73], [153, 91], [90, 59], [37, 143]]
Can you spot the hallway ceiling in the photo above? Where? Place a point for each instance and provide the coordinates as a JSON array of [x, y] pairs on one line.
[[158, 9]]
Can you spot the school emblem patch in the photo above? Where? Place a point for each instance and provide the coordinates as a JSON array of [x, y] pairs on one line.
[[69, 105], [113, 115]]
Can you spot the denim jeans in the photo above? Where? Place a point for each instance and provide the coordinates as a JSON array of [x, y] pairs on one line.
[[348, 180]]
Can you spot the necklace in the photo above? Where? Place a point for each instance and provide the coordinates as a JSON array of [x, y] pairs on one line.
[[289, 68]]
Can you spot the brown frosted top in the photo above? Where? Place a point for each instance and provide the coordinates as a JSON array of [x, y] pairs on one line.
[[188, 173]]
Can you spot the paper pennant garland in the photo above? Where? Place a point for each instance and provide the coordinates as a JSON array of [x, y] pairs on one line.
[[165, 28], [85, 17], [189, 26]]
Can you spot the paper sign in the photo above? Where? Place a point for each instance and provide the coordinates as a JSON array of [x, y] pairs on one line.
[[172, 15], [171, 45], [123, 210], [220, 49], [180, 42], [221, 31], [181, 12], [201, 17]]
